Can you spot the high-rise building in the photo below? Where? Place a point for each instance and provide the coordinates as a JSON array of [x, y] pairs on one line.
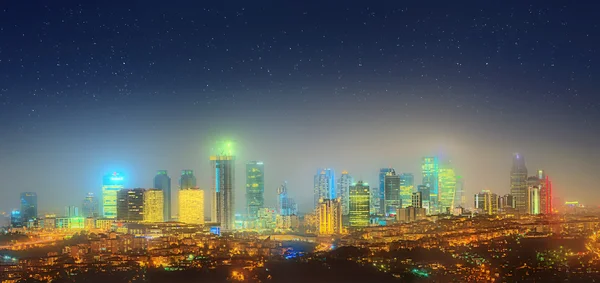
[[486, 202], [359, 204], [29, 207], [130, 204], [191, 206], [324, 185], [187, 179], [111, 184], [71, 211], [342, 190], [506, 204], [154, 205], [15, 219], [89, 207], [286, 206], [223, 186], [392, 193], [329, 213], [382, 173], [407, 186], [375, 203], [545, 193], [255, 188], [416, 199], [518, 183], [410, 214], [446, 188], [162, 181], [430, 167], [425, 198], [533, 200], [459, 196]]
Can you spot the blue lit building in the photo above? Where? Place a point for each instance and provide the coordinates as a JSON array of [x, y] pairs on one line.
[[111, 185], [162, 181], [286, 206], [29, 206], [382, 173], [430, 168], [324, 185], [15, 219]]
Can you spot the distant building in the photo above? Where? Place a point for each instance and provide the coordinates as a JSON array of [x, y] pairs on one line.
[[287, 222], [447, 188], [191, 206], [375, 203], [392, 193], [162, 181], [430, 168], [15, 219], [533, 200], [90, 206], [29, 207], [324, 185], [329, 212], [459, 196], [416, 200], [382, 173], [285, 205], [518, 183], [359, 204], [130, 204], [425, 197], [223, 186], [342, 190], [111, 185], [154, 205], [255, 188], [545, 193], [486, 202], [410, 214], [506, 204], [407, 186], [71, 211], [187, 180]]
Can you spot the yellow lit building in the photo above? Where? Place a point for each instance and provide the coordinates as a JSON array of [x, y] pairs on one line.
[[191, 206], [153, 205], [359, 204], [111, 185], [329, 214]]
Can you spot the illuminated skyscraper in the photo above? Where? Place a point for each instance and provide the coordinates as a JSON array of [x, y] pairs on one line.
[[162, 181], [486, 202], [191, 206], [407, 186], [286, 206], [424, 190], [533, 200], [15, 219], [324, 185], [375, 203], [223, 186], [342, 190], [329, 213], [506, 204], [382, 173], [545, 193], [459, 195], [255, 188], [130, 204], [416, 200], [518, 183], [392, 193], [111, 184], [447, 188], [71, 211], [90, 206], [187, 179], [359, 204], [29, 206], [430, 169], [154, 205]]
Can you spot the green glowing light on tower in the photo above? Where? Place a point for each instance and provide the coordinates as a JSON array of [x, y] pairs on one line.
[[224, 148]]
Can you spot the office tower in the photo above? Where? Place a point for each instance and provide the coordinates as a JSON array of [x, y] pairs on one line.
[[359, 203], [375, 203], [459, 196], [130, 204], [545, 193], [71, 211], [407, 186], [285, 205], [29, 207], [154, 205], [506, 204], [191, 206], [342, 190], [324, 185], [187, 179], [111, 184], [329, 213], [392, 193], [162, 181], [518, 183], [446, 188], [533, 200], [382, 173], [425, 198], [15, 219], [486, 202], [89, 207], [255, 188], [223, 184], [410, 214], [416, 199], [430, 170]]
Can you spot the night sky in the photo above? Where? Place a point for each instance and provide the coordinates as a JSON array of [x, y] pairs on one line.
[[136, 86]]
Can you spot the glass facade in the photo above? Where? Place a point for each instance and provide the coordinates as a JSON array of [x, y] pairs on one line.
[[518, 183], [130, 205], [153, 205], [191, 206], [407, 187], [90, 206], [162, 181], [430, 170], [29, 206], [382, 173], [324, 185], [359, 204], [392, 200], [342, 190], [111, 185], [255, 188], [223, 184], [447, 189]]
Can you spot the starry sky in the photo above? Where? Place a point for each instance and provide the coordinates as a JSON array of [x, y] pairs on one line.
[[91, 87]]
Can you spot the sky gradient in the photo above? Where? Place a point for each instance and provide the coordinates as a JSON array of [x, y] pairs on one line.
[[91, 88]]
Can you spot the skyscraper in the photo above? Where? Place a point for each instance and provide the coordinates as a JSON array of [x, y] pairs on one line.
[[392, 193], [545, 193], [71, 211], [533, 200], [407, 186], [342, 190], [518, 183], [329, 216], [447, 188], [154, 205], [29, 207], [255, 188], [359, 203], [486, 202], [506, 204], [430, 170], [416, 199], [324, 185], [90, 206], [187, 179], [286, 206], [162, 181], [130, 204], [424, 190], [191, 206], [223, 186], [459, 195], [382, 173], [111, 184], [375, 203]]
